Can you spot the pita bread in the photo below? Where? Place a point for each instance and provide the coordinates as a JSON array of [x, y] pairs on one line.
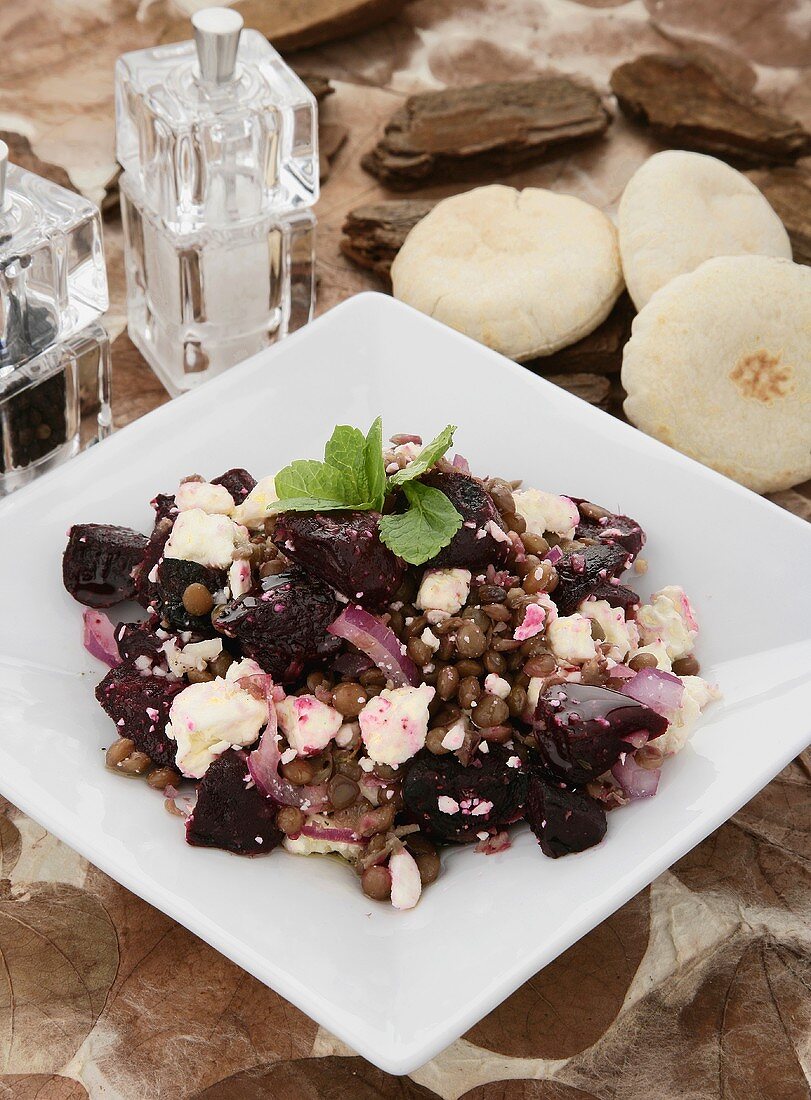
[[680, 209], [524, 272], [719, 367]]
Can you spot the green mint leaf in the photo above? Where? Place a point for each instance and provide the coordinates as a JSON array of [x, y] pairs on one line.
[[346, 451], [304, 504], [429, 524], [428, 457], [373, 462], [308, 478]]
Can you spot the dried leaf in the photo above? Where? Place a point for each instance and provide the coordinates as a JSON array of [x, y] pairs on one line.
[[21, 153], [568, 1005], [180, 1013], [40, 1086], [297, 24], [688, 104], [528, 1090], [59, 955], [10, 845], [330, 1078]]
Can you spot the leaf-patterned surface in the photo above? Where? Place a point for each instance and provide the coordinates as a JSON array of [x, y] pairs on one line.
[[10, 845], [58, 958], [40, 1086]]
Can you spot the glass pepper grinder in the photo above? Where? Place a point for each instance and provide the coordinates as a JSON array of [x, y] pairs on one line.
[[218, 140], [54, 354]]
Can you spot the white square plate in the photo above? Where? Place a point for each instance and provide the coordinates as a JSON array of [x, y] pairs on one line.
[[398, 987]]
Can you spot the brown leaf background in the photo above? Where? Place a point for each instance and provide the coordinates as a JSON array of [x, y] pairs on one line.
[[699, 987]]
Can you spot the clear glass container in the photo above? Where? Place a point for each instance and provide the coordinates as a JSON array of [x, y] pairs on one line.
[[52, 406], [199, 302], [52, 276], [216, 131]]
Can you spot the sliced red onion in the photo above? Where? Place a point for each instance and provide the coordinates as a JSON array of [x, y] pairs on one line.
[[636, 782], [337, 836], [461, 464], [554, 555], [661, 691], [372, 637], [99, 637], [638, 738], [263, 762], [622, 672]]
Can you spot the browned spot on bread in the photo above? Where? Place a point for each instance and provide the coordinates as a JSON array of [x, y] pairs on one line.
[[761, 377]]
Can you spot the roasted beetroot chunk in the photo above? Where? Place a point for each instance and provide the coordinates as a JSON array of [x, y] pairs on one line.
[[486, 780], [613, 529], [579, 729], [146, 586], [582, 572], [142, 701], [139, 640], [165, 507], [467, 548], [174, 577], [343, 549], [231, 815], [564, 821], [617, 595], [238, 482], [98, 563], [283, 624]]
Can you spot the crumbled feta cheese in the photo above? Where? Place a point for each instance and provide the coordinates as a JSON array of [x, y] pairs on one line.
[[697, 694], [447, 805], [443, 590], [455, 737], [406, 884], [514, 762], [546, 512], [195, 655], [239, 577], [668, 619], [206, 719], [430, 639], [310, 846], [308, 724], [534, 689], [214, 499], [347, 734], [253, 511], [621, 635], [239, 669], [570, 638], [481, 808], [395, 723], [208, 540], [497, 685], [657, 650]]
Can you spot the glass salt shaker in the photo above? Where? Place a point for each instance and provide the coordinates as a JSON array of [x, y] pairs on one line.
[[54, 354], [218, 141]]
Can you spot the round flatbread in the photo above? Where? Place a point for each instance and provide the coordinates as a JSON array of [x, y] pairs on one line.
[[524, 272], [680, 209], [719, 367]]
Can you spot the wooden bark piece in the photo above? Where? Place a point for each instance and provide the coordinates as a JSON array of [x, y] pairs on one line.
[[690, 105], [319, 85], [463, 133], [297, 24], [374, 233], [598, 353], [588, 387], [789, 192]]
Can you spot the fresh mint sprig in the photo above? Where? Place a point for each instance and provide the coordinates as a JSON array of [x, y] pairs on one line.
[[353, 476]]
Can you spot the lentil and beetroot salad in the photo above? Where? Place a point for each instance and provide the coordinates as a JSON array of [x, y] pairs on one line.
[[380, 654]]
